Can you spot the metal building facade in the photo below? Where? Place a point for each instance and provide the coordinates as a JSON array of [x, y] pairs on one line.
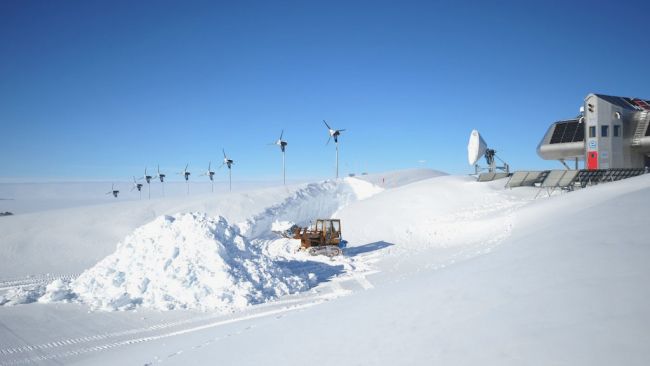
[[610, 133]]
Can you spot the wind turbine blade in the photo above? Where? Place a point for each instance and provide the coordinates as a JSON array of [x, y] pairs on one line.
[[209, 165], [186, 165], [281, 133], [341, 130], [328, 126], [224, 153], [328, 140]]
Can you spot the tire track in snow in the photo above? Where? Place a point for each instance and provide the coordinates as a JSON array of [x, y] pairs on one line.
[[34, 280], [71, 347]]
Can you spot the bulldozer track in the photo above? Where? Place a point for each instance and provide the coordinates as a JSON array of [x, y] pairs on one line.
[[34, 280], [62, 348]]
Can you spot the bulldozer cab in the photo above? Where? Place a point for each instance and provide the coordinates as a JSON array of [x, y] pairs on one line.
[[330, 230], [324, 237]]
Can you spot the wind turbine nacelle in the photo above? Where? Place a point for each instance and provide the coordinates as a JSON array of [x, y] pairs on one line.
[[475, 148]]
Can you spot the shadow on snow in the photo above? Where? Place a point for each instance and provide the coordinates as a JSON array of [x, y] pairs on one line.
[[366, 248], [323, 271]]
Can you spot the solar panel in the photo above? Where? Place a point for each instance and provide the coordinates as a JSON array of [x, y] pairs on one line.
[[524, 178], [517, 179], [580, 133], [567, 179], [558, 132], [553, 178], [485, 177], [568, 131], [630, 102], [590, 177]]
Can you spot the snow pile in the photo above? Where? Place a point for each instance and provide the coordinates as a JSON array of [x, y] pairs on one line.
[[280, 226], [315, 200], [22, 295], [186, 261]]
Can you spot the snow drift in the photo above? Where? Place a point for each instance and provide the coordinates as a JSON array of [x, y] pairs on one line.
[[315, 200], [188, 261]]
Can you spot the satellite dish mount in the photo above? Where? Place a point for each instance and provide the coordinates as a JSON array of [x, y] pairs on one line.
[[476, 148]]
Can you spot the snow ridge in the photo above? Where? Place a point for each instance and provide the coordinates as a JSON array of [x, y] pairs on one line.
[[316, 200]]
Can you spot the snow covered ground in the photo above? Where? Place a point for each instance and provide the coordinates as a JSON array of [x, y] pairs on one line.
[[438, 269]]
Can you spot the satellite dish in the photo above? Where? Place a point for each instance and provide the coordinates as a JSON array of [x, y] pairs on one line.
[[476, 147]]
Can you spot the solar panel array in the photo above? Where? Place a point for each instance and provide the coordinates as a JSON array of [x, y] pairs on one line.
[[568, 131], [638, 104]]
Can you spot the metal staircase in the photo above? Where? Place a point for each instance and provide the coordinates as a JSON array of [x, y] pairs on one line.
[[643, 120]]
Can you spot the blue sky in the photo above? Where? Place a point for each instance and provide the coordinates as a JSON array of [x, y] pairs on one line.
[[99, 89]]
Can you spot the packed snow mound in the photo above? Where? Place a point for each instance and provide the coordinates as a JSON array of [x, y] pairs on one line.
[[184, 261]]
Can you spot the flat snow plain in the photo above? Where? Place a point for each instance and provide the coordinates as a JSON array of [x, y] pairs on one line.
[[438, 269]]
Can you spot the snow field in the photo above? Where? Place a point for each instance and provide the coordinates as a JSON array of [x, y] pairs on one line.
[[566, 273]]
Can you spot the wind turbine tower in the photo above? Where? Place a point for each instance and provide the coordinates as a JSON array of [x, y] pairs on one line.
[[137, 186], [283, 145], [228, 162], [147, 179], [162, 180], [334, 134], [210, 174], [185, 173]]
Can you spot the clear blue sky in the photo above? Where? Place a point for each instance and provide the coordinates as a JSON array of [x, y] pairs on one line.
[[99, 89]]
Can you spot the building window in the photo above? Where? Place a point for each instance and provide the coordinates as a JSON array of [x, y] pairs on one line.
[[617, 130], [592, 131], [604, 130]]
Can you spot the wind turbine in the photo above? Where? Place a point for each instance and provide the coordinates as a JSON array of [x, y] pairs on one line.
[[162, 180], [283, 145], [210, 174], [137, 186], [228, 163], [186, 174], [147, 179], [335, 135], [113, 191]]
